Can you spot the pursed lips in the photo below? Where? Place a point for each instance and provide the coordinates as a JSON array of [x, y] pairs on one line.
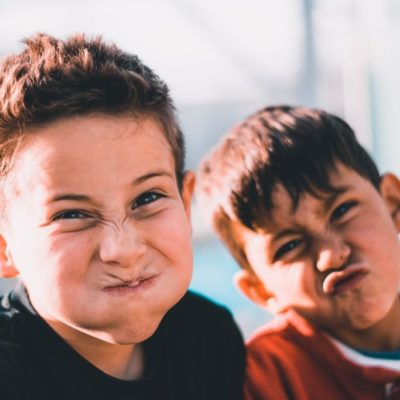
[[338, 282], [123, 285]]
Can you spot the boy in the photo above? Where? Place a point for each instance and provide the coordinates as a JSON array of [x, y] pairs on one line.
[[95, 221], [302, 208]]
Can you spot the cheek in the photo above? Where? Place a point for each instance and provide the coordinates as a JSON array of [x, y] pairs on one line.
[[299, 279], [71, 253], [375, 230], [378, 241], [296, 281], [29, 258], [171, 235], [60, 263], [68, 277]]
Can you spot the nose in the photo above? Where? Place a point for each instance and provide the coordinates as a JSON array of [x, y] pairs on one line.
[[121, 245], [332, 253]]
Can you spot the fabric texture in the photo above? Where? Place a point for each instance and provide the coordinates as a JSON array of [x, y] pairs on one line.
[[290, 359], [197, 353]]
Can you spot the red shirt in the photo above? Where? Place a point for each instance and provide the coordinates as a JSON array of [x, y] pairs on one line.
[[290, 359]]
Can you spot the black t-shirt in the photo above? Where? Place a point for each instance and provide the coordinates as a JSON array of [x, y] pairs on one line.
[[197, 353]]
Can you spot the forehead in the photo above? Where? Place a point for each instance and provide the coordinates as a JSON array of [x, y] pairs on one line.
[[86, 149], [310, 206], [81, 130]]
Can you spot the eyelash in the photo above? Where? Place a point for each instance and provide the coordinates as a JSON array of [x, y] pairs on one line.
[[146, 198], [143, 200], [342, 210], [70, 214], [286, 248]]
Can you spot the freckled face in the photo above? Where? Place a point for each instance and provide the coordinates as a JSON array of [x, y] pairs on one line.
[[335, 259], [97, 227]]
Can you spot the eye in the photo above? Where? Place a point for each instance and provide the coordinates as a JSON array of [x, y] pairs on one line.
[[342, 209], [70, 214], [286, 248], [147, 198]]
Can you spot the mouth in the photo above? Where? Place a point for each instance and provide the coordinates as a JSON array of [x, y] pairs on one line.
[[133, 286], [349, 278]]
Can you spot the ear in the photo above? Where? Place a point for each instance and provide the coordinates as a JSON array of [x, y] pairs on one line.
[[7, 268], [390, 191], [251, 286], [187, 190]]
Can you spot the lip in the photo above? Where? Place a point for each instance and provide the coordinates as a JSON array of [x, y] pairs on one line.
[[349, 278], [133, 287]]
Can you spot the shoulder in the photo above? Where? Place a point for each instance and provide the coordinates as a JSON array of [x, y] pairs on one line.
[[276, 359], [202, 317], [199, 323], [282, 324], [197, 312], [278, 326], [203, 307], [286, 335], [203, 340], [9, 314], [9, 323], [269, 341], [11, 370]]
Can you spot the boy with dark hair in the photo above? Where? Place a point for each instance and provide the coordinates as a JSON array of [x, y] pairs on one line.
[[95, 220], [303, 209]]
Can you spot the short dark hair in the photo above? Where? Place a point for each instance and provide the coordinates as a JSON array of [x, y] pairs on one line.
[[293, 146], [52, 79]]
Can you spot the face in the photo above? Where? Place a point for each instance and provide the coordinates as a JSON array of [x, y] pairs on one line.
[[97, 228], [334, 259]]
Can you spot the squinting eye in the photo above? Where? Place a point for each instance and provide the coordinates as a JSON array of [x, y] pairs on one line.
[[289, 246], [342, 209], [146, 198], [71, 214]]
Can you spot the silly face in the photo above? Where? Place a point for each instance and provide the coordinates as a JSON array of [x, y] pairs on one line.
[[334, 259], [97, 228]]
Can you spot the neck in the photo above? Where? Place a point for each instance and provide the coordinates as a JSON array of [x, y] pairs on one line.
[[122, 361]]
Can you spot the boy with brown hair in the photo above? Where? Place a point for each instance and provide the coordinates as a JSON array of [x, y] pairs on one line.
[[303, 209], [95, 220]]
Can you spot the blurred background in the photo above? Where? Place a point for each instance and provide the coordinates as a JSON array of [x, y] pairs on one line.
[[224, 59]]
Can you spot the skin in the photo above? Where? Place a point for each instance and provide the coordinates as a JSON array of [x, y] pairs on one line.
[[334, 260], [99, 233]]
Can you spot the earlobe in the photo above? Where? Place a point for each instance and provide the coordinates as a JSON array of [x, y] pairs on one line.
[[7, 268], [390, 191], [249, 284]]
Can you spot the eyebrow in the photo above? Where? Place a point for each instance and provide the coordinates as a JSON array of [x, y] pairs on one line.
[[284, 232], [153, 174], [328, 201], [83, 197]]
